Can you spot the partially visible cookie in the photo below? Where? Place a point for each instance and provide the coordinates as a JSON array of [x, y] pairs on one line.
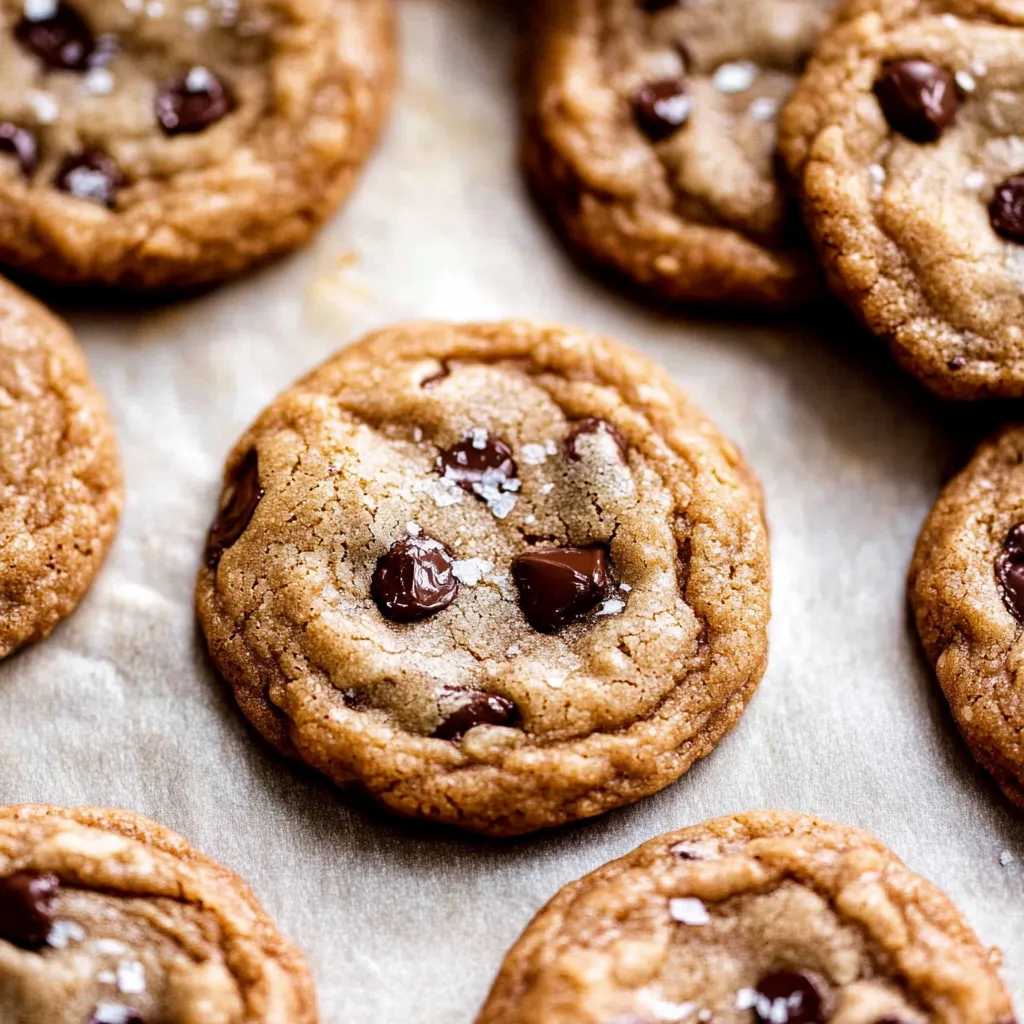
[[109, 918], [967, 592], [60, 475], [501, 576], [762, 918], [906, 139], [171, 144], [650, 136]]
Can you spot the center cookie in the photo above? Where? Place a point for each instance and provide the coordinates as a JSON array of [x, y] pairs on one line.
[[650, 134], [501, 576], [171, 143], [906, 137], [763, 918]]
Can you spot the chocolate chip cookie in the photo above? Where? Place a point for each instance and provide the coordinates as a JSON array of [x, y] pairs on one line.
[[762, 918], [906, 138], [496, 575], [967, 592], [172, 143], [650, 136], [108, 918], [60, 475]]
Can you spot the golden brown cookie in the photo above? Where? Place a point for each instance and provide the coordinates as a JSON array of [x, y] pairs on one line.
[[762, 918], [108, 918], [60, 475], [650, 136], [172, 143], [906, 139], [967, 592], [497, 575]]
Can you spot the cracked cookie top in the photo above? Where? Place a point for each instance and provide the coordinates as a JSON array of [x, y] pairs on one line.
[[967, 591], [108, 918], [651, 131], [60, 475], [498, 575], [906, 138], [164, 143], [763, 918]]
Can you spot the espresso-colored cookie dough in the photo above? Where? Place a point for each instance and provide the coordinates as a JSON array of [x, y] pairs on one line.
[[60, 475], [650, 136], [967, 592], [906, 139], [171, 143], [762, 918], [108, 918], [496, 575]]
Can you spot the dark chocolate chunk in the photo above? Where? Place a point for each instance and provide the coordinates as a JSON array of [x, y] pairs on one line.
[[60, 40], [478, 463], [1010, 572], [474, 708], [244, 495], [558, 585], [662, 108], [26, 908], [919, 99], [21, 144], [414, 580], [90, 175], [791, 997], [1006, 209], [591, 425], [192, 102]]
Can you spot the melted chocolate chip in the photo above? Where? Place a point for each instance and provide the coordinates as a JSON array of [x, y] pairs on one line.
[[244, 495], [26, 908], [477, 462], [591, 425], [115, 1013], [1006, 210], [414, 580], [956, 363], [62, 40], [559, 585], [660, 5], [918, 99], [90, 175], [662, 108], [1010, 572], [21, 143], [192, 102], [475, 708], [791, 997]]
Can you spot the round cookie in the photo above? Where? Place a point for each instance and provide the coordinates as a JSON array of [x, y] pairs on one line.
[[172, 143], [108, 918], [501, 576], [906, 138], [650, 137], [763, 918], [967, 592], [60, 475]]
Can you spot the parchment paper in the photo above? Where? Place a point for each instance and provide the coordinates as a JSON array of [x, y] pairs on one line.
[[401, 923]]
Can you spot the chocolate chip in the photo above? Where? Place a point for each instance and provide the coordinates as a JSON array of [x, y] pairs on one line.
[[414, 580], [478, 462], [474, 708], [90, 175], [61, 40], [956, 363], [21, 143], [244, 495], [558, 585], [918, 99], [1010, 572], [660, 5], [791, 997], [192, 102], [591, 425], [662, 108], [26, 907], [115, 1013], [1006, 210]]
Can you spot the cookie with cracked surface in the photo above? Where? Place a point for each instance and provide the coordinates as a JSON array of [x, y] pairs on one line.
[[171, 144], [763, 918], [650, 137], [108, 918], [906, 139], [501, 576], [60, 474], [967, 592]]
